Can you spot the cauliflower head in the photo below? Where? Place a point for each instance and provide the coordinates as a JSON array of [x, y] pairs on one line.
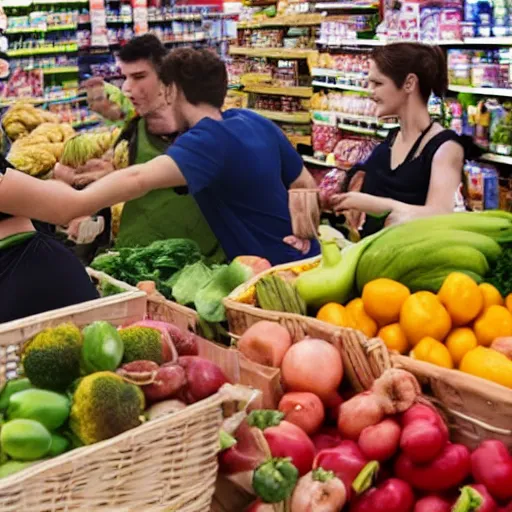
[[104, 405], [51, 359], [142, 343]]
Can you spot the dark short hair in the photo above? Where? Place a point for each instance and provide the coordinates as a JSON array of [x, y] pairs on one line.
[[427, 62], [146, 47], [200, 74]]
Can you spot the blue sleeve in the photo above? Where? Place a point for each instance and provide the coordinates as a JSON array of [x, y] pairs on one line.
[[291, 161], [200, 157]]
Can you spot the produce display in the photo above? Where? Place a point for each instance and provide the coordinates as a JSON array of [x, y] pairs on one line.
[[79, 387], [178, 269], [438, 289], [327, 449]]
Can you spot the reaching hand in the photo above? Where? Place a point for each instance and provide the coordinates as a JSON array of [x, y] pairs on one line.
[[303, 246], [93, 170], [64, 173]]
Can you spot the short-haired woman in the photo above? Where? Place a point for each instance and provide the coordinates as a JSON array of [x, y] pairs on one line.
[[417, 170]]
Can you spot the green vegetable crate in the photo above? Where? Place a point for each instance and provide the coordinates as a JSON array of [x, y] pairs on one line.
[[167, 464], [476, 409]]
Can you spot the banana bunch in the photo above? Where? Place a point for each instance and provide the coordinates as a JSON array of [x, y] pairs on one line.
[[275, 294], [22, 118], [121, 155], [86, 146], [420, 254], [37, 153]]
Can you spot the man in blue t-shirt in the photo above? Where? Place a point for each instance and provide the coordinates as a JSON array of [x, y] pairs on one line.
[[238, 166]]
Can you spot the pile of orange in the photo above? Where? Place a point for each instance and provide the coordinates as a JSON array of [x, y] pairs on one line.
[[453, 329]]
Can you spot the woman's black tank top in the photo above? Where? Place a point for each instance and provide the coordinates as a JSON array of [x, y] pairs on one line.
[[4, 165], [409, 181]]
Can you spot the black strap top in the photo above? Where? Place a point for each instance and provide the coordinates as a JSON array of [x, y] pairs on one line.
[[409, 181], [4, 165]]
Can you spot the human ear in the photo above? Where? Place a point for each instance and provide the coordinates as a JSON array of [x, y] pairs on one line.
[[411, 81]]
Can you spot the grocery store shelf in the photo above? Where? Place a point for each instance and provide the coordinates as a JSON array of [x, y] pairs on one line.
[[304, 20], [87, 122], [60, 70], [272, 53], [353, 42], [31, 30], [344, 6], [363, 131], [494, 41], [341, 87], [285, 117], [300, 139], [315, 161], [326, 72], [27, 52], [301, 92], [498, 159], [28, 3], [486, 91]]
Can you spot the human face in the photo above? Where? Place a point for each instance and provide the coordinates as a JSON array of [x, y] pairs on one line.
[[142, 86], [388, 97]]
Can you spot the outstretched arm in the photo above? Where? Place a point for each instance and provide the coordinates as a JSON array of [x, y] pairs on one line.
[[57, 203]]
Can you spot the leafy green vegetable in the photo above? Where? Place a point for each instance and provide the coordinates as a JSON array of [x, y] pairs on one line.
[[191, 279], [500, 274], [157, 262], [107, 289], [208, 300]]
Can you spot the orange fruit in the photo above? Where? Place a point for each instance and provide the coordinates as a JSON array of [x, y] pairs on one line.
[[459, 342], [362, 320], [508, 302], [494, 322], [432, 351], [461, 297], [335, 314], [423, 315], [383, 299], [394, 338], [488, 364], [492, 297]]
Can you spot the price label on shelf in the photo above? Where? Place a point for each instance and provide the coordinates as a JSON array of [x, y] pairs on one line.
[[98, 23]]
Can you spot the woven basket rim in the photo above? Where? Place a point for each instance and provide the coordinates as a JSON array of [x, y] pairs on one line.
[[85, 451]]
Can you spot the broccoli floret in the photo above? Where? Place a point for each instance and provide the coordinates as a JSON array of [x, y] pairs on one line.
[[51, 360], [104, 405], [142, 343]]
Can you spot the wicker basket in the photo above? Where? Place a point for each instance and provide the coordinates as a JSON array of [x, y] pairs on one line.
[[363, 359], [167, 464], [476, 409]]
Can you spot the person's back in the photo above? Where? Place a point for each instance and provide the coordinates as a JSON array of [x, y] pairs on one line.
[[244, 193]]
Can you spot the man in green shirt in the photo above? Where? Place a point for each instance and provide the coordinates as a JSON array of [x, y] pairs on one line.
[[160, 214]]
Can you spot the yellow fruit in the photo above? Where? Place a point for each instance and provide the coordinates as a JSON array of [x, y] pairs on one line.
[[492, 297], [459, 342], [336, 314], [383, 300], [362, 320], [488, 364], [432, 351], [461, 297], [423, 315], [508, 302], [494, 322], [394, 338]]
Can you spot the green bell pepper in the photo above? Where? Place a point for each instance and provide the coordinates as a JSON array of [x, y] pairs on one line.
[[11, 387], [274, 480], [25, 440], [102, 348], [47, 407]]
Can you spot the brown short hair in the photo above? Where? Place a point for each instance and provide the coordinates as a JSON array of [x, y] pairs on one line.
[[428, 63], [200, 74]]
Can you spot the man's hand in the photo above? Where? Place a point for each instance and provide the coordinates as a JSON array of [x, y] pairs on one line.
[[301, 245], [85, 230], [93, 170], [64, 173]]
